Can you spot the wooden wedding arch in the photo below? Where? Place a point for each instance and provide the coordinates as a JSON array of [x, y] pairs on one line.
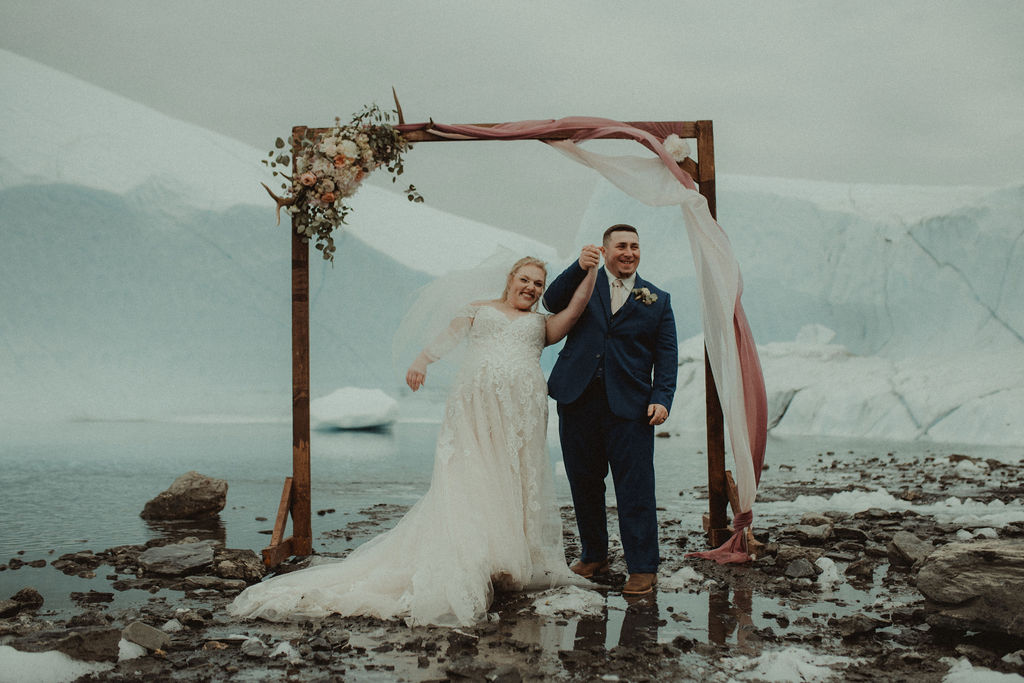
[[296, 499]]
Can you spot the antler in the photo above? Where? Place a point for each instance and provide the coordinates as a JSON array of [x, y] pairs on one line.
[[280, 201], [398, 107]]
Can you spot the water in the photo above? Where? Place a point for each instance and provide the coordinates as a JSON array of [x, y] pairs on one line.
[[81, 485], [76, 485]]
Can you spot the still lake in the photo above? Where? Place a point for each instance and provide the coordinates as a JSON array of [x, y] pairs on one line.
[[70, 486]]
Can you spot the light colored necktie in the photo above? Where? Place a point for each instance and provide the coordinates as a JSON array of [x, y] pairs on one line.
[[618, 295]]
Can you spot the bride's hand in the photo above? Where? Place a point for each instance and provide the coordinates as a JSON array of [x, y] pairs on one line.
[[590, 257], [414, 378], [417, 372]]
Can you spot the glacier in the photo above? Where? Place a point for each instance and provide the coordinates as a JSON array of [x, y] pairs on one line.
[[879, 311], [143, 278]]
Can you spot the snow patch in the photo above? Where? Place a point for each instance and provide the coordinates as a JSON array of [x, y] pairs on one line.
[[790, 664], [962, 671], [569, 600], [686, 579], [44, 667]]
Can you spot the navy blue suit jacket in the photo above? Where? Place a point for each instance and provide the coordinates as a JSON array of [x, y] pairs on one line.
[[637, 346]]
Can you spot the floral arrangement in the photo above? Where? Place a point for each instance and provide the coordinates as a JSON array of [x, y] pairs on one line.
[[645, 295], [677, 147], [329, 169]]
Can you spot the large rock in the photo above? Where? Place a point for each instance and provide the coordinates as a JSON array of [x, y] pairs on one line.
[[191, 496], [178, 559], [976, 586]]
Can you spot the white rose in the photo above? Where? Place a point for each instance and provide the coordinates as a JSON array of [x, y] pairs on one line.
[[348, 148], [677, 147]]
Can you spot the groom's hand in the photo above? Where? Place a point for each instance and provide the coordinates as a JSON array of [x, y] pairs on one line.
[[657, 412], [590, 257]]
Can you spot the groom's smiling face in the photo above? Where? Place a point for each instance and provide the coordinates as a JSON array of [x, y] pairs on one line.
[[622, 253]]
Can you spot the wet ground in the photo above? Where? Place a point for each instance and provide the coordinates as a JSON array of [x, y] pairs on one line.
[[856, 616]]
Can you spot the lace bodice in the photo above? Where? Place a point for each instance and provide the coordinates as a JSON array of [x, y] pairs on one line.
[[503, 344]]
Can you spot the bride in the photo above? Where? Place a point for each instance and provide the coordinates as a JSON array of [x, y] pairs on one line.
[[489, 518]]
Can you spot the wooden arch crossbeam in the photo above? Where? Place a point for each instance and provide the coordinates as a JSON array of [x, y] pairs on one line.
[[295, 498]]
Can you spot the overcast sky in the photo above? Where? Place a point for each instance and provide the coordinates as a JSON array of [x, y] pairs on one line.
[[924, 92]]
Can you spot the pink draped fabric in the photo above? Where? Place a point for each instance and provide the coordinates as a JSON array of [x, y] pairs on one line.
[[575, 128], [753, 400]]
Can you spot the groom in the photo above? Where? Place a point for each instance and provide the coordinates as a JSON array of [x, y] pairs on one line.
[[614, 382]]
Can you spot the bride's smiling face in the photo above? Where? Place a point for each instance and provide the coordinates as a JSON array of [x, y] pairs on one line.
[[526, 286]]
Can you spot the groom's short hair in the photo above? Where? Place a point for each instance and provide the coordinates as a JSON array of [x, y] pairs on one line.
[[619, 227]]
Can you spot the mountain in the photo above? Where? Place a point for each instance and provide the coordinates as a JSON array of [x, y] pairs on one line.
[[144, 277]]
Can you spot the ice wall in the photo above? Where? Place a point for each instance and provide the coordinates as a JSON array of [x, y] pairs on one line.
[[919, 291]]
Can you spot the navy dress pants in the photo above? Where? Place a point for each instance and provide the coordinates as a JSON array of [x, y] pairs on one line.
[[595, 440]]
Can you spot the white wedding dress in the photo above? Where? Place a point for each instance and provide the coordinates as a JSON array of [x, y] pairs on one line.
[[489, 518]]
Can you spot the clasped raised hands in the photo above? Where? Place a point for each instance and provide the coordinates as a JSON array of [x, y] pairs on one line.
[[590, 257]]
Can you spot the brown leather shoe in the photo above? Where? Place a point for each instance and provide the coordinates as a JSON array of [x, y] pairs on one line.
[[590, 569], [640, 584]]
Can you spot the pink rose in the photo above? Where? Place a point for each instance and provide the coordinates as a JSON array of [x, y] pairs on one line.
[[308, 179], [340, 160], [327, 197]]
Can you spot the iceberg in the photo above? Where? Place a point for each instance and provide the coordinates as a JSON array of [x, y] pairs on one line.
[[354, 408]]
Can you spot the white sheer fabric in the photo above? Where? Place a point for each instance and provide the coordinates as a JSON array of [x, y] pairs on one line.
[[489, 516], [649, 181]]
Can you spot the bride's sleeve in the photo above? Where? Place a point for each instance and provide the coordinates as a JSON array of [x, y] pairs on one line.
[[448, 339]]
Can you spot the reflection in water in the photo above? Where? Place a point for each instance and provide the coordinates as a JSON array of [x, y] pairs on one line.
[[638, 627], [724, 618], [209, 529], [634, 625]]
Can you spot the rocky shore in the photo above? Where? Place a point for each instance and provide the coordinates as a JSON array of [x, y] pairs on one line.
[[877, 594]]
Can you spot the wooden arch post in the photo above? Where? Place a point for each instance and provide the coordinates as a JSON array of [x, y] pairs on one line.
[[296, 498]]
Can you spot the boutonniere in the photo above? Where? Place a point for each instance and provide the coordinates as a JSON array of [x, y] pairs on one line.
[[645, 295]]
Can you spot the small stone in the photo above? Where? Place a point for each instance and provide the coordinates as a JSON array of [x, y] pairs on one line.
[[213, 583], [172, 626], [9, 608], [254, 648], [92, 597], [814, 519], [861, 569], [907, 549], [145, 635], [177, 559], [858, 625], [241, 564], [849, 533], [813, 535], [801, 568]]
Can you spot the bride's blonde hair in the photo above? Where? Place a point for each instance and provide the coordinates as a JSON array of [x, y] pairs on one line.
[[525, 261]]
